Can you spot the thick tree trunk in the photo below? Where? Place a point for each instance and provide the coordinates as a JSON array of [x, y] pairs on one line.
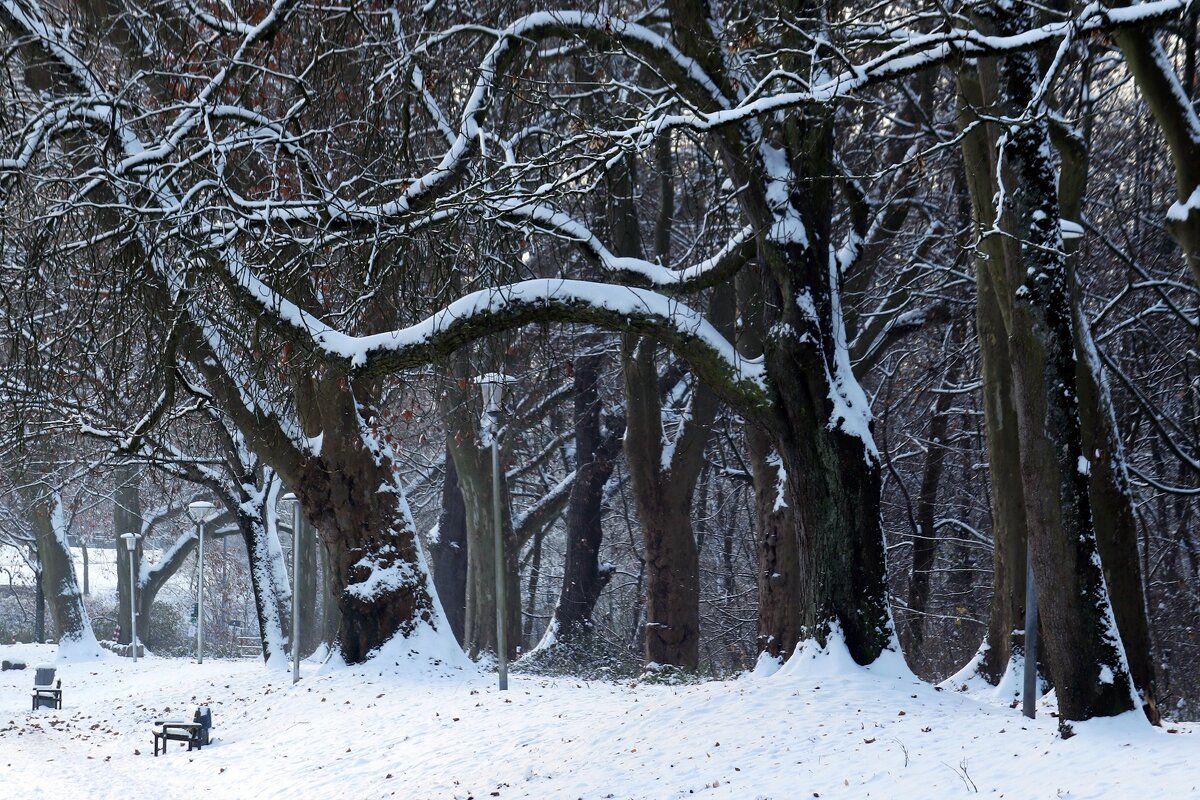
[[820, 422], [475, 480], [371, 555], [450, 552], [310, 634], [39, 609], [663, 496], [57, 574], [672, 631], [1083, 650], [841, 548], [584, 578], [1006, 620], [779, 578], [1111, 497], [473, 467], [350, 493]]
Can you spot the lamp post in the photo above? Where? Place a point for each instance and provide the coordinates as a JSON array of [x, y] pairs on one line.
[[291, 499], [131, 543], [201, 512], [492, 385]]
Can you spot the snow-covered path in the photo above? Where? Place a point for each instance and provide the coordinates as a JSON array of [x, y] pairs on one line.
[[820, 729]]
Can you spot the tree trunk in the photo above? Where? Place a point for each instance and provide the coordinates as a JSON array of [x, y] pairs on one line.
[[57, 574], [372, 553], [663, 496], [1007, 613], [450, 552], [1109, 490], [779, 578], [350, 493], [473, 465], [309, 623], [1082, 647], [39, 609], [584, 578]]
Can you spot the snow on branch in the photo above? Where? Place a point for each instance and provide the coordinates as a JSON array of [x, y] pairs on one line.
[[637, 271], [912, 53], [739, 380]]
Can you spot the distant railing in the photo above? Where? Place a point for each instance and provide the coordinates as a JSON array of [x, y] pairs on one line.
[[249, 646]]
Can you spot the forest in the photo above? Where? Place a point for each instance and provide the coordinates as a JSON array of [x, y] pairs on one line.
[[813, 324]]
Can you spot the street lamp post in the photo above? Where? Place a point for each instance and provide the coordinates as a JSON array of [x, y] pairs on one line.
[[492, 386], [291, 499], [131, 543], [201, 512]]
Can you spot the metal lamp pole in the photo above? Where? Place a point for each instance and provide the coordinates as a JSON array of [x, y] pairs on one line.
[[291, 499], [131, 542], [201, 512], [492, 385]]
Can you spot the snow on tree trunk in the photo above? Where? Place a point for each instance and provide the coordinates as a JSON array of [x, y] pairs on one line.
[[1006, 618], [449, 551], [1083, 649], [58, 581]]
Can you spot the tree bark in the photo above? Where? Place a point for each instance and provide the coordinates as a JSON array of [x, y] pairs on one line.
[[450, 551], [584, 577], [1083, 649], [780, 602], [1007, 612], [1111, 496], [663, 497], [307, 585], [57, 574], [473, 466]]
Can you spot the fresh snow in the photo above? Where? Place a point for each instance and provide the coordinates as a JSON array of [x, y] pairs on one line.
[[436, 727]]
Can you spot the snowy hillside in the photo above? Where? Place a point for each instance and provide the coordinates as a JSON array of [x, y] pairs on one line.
[[821, 728]]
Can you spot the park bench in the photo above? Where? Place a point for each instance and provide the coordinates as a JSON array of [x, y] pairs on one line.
[[194, 731], [45, 691]]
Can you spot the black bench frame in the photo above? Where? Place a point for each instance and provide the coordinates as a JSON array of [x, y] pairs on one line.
[[195, 732], [177, 732], [47, 697], [48, 694]]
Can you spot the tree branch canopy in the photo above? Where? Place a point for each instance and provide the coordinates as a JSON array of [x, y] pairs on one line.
[[738, 380]]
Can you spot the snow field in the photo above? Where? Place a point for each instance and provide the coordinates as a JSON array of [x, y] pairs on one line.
[[423, 728]]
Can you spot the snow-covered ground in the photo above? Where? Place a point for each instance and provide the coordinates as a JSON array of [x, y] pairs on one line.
[[395, 728]]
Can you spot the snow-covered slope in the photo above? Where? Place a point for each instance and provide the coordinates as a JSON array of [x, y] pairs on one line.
[[440, 729]]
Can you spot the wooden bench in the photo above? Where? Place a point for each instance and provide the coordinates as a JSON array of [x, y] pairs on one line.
[[45, 691], [195, 732]]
